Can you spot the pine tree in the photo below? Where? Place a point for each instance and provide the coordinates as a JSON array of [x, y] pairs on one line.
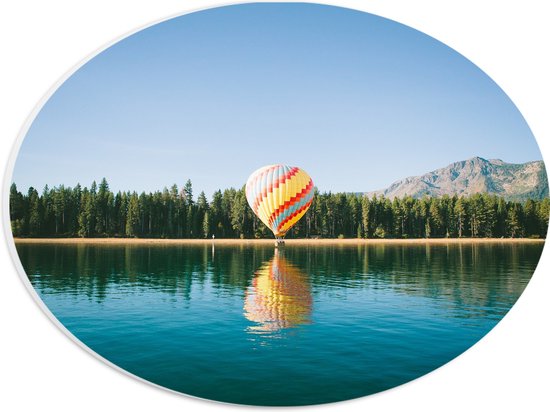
[[423, 217], [530, 218], [365, 216], [202, 209], [132, 218], [490, 215], [436, 218], [238, 213], [500, 218], [102, 208], [461, 213], [477, 215], [85, 216], [514, 220], [35, 214], [17, 211], [74, 210], [398, 218], [188, 192], [447, 212], [216, 214]]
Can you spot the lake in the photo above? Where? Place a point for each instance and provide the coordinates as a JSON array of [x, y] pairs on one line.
[[304, 325]]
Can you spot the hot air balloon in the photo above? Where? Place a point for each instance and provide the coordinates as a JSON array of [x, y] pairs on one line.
[[279, 195]]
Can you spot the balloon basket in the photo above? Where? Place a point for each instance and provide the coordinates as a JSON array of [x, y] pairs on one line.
[[279, 242]]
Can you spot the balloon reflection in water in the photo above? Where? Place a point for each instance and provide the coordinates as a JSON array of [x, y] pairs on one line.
[[279, 297]]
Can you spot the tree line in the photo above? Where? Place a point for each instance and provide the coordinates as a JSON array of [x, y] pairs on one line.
[[174, 213]]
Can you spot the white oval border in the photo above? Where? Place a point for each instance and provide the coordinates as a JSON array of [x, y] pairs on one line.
[[30, 119]]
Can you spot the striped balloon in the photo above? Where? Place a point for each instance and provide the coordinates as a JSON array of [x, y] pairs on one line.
[[279, 195]]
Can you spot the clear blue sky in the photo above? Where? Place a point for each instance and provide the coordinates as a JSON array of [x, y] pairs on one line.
[[356, 100]]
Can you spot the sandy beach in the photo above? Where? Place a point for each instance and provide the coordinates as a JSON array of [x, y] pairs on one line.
[[288, 242]]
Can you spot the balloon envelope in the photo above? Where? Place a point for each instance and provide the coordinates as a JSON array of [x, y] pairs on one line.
[[279, 195]]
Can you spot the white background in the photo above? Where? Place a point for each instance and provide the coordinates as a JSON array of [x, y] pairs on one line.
[[42, 41]]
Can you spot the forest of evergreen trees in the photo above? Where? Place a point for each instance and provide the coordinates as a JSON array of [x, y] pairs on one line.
[[173, 213]]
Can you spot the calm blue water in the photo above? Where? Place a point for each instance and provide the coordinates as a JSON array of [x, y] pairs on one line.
[[306, 326]]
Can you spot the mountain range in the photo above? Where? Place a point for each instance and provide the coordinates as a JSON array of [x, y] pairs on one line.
[[476, 175]]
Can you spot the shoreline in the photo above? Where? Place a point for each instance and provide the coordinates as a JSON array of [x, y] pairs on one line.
[[288, 242]]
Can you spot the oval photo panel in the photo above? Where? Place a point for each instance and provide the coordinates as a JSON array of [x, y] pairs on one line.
[[279, 204]]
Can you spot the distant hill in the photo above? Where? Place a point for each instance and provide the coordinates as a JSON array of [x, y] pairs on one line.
[[476, 175]]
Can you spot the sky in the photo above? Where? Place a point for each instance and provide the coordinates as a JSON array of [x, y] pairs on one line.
[[356, 100]]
